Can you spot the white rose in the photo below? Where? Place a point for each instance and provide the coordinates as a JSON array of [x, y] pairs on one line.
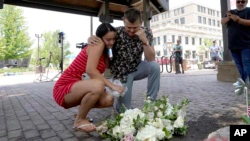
[[179, 122], [169, 110], [150, 133], [151, 115], [161, 106], [181, 113], [155, 108], [159, 114]]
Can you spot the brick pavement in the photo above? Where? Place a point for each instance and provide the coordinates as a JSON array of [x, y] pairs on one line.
[[28, 111]]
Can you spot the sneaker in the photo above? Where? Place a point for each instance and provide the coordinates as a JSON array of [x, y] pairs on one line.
[[237, 83]]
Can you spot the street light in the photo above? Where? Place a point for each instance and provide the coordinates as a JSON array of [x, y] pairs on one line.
[[38, 36]]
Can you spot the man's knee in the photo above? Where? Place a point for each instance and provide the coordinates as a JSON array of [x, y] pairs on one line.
[[154, 66]]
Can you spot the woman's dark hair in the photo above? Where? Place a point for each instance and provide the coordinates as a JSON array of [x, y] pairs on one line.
[[103, 29]]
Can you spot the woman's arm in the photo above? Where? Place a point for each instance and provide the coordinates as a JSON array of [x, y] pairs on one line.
[[94, 54]]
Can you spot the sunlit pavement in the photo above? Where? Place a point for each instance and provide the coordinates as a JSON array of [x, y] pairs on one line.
[[28, 111]]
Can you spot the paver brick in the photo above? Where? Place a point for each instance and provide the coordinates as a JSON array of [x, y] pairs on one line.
[[47, 133], [43, 127], [3, 139], [3, 133], [53, 139], [35, 116], [13, 127], [58, 127], [31, 134], [15, 133], [64, 134], [28, 127]]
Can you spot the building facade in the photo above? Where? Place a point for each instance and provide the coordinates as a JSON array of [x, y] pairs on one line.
[[194, 24]]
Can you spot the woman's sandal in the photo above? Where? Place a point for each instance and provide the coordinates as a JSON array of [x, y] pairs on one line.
[[79, 128]]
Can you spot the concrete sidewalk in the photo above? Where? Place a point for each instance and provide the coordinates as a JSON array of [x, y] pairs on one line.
[[28, 111]]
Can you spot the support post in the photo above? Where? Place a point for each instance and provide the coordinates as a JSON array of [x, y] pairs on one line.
[[1, 4], [146, 13], [227, 70]]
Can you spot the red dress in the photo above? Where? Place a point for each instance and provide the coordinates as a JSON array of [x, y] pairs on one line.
[[72, 75]]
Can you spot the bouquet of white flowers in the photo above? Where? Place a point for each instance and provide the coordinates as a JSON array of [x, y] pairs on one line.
[[157, 120]]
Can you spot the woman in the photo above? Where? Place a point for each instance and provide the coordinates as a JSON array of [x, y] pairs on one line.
[[70, 90]]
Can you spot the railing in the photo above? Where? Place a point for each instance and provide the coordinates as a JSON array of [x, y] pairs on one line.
[[164, 60]]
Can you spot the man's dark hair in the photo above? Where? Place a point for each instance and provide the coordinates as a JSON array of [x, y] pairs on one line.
[[132, 15], [103, 29]]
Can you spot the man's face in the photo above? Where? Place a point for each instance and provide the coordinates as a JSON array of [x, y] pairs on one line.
[[241, 4], [132, 28], [178, 42]]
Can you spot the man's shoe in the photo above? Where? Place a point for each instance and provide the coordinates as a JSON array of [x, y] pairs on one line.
[[237, 83], [182, 72]]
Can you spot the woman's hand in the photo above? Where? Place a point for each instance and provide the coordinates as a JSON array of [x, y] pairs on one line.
[[118, 88]]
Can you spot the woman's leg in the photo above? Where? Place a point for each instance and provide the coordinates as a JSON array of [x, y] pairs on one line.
[[86, 94]]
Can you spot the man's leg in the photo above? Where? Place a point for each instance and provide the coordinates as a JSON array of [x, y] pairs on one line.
[[236, 54], [245, 56], [144, 69], [177, 65], [181, 62]]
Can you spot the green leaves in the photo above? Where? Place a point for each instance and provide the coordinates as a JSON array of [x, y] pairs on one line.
[[181, 131], [14, 39], [139, 122], [246, 119]]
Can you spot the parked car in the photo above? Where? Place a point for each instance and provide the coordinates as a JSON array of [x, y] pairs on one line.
[[208, 64]]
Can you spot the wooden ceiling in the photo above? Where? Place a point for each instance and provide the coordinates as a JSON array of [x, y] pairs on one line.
[[91, 7]]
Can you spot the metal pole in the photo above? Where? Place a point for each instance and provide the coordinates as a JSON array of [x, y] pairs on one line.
[[38, 36], [62, 54]]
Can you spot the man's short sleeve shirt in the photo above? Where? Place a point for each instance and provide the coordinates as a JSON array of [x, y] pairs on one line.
[[127, 53]]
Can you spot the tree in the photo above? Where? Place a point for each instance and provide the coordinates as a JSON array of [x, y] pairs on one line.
[[50, 44], [14, 39], [207, 43]]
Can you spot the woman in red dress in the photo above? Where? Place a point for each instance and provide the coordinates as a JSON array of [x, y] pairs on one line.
[[70, 90]]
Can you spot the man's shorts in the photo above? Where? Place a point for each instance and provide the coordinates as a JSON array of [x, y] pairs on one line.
[[215, 58], [180, 60]]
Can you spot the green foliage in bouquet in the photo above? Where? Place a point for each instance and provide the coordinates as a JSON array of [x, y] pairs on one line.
[[246, 119], [157, 120], [240, 89]]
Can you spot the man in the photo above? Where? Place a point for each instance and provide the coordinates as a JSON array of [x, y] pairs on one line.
[[238, 26], [178, 57], [215, 53], [132, 40]]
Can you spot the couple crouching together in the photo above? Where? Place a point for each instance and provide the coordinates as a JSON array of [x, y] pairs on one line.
[[128, 42]]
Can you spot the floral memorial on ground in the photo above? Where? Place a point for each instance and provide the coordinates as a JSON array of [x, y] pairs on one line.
[[157, 120]]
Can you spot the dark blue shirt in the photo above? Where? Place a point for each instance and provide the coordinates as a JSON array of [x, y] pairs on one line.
[[238, 34]]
